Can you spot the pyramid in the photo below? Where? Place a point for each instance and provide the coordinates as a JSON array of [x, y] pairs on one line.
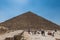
[[29, 20]]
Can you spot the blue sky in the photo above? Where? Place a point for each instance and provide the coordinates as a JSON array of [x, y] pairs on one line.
[[49, 9]]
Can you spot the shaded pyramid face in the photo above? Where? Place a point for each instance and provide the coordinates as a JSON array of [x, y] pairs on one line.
[[29, 20]]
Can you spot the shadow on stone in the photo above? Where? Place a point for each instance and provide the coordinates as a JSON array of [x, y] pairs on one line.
[[57, 39], [18, 37], [9, 38]]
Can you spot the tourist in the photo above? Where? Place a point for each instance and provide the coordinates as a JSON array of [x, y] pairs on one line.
[[43, 32]]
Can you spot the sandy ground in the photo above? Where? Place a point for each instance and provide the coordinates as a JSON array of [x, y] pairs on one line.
[[31, 36], [40, 37]]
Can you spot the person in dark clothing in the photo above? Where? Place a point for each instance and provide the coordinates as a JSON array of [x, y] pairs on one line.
[[55, 30], [43, 33], [35, 32]]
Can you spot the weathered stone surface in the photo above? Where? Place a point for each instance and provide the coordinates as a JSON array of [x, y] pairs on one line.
[[18, 37], [3, 29], [57, 39], [9, 38]]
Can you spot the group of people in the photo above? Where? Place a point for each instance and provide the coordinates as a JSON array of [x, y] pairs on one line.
[[42, 32]]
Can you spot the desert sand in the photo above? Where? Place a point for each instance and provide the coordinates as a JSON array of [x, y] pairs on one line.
[[31, 36]]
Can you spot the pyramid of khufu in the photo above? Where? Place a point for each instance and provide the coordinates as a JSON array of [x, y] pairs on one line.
[[29, 20]]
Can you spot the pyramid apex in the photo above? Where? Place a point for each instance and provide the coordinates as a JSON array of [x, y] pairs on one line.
[[29, 12]]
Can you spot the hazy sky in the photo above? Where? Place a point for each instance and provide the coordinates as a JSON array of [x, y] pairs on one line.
[[49, 9]]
